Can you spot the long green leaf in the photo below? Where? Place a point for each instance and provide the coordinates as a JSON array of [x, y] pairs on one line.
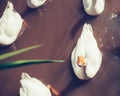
[[20, 51], [19, 63]]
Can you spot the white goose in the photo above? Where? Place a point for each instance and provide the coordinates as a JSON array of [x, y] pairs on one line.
[[10, 25], [86, 57], [94, 7], [34, 87], [35, 3]]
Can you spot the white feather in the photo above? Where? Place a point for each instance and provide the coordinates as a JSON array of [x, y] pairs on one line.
[[94, 7], [32, 87], [88, 48], [10, 25], [35, 3]]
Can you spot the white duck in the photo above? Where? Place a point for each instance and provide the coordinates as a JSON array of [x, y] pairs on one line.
[[94, 7], [86, 57], [34, 87], [10, 25], [35, 3]]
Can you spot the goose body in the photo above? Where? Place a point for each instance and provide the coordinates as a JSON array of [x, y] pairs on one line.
[[94, 7], [86, 48], [35, 3], [10, 25], [33, 87]]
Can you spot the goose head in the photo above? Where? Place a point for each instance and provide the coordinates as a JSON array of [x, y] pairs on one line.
[[94, 7], [86, 57], [35, 3], [10, 25]]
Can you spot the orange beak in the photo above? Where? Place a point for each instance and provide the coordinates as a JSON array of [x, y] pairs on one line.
[[25, 23], [54, 91], [81, 61]]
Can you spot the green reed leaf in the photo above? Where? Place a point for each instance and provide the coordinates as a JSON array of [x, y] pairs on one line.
[[19, 63], [20, 51]]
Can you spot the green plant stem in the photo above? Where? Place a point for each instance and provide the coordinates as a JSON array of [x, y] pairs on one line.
[[19, 63], [10, 54]]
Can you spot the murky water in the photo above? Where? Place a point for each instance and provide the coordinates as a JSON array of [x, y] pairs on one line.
[[58, 28]]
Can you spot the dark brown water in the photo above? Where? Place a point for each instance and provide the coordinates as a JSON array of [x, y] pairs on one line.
[[58, 28]]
